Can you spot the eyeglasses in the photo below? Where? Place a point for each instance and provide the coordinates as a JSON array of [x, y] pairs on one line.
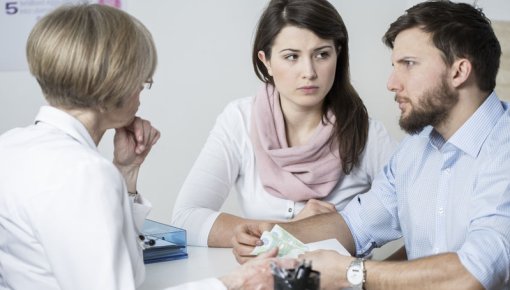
[[148, 84]]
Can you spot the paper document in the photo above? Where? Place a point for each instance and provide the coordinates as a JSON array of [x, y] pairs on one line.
[[331, 244]]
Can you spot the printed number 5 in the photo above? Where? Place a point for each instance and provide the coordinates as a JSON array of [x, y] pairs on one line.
[[11, 7]]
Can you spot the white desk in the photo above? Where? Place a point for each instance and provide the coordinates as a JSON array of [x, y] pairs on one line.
[[201, 263]]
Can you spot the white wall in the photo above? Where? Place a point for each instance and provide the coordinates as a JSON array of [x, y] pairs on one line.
[[493, 9], [204, 62]]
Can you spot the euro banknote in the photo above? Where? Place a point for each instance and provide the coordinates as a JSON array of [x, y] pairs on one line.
[[288, 245]]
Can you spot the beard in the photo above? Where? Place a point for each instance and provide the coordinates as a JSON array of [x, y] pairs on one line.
[[432, 108]]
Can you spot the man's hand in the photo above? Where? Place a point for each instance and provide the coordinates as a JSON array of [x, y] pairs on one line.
[[331, 265], [246, 237], [314, 207], [131, 145]]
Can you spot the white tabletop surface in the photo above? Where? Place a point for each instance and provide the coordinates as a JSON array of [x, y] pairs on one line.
[[202, 262]]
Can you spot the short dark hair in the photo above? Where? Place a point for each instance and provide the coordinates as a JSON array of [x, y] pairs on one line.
[[458, 30], [320, 17]]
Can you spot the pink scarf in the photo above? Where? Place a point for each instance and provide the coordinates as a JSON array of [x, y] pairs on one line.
[[296, 173]]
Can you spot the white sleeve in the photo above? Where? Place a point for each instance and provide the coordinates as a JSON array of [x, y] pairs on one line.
[[85, 225], [141, 209], [380, 147], [211, 178], [210, 284]]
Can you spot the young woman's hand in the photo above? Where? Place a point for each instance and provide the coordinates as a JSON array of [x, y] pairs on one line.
[[314, 207]]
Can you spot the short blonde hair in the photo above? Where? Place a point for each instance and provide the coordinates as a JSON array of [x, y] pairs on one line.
[[90, 56]]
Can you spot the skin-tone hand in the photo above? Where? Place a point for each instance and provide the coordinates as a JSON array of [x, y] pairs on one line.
[[131, 145], [246, 237], [331, 265], [256, 274], [314, 207]]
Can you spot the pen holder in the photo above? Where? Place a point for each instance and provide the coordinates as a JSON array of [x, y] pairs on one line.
[[290, 281]]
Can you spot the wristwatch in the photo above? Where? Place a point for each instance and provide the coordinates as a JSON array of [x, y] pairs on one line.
[[356, 273]]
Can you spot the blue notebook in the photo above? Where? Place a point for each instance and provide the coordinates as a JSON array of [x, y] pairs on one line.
[[162, 242]]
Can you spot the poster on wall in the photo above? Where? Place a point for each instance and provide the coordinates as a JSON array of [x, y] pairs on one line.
[[17, 19]]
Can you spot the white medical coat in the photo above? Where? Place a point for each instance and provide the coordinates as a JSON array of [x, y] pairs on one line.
[[66, 220]]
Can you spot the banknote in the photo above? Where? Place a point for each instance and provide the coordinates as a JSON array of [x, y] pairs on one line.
[[288, 245]]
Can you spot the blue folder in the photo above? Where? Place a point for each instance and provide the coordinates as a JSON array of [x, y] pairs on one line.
[[162, 242]]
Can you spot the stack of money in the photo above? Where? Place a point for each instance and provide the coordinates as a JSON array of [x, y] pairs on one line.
[[288, 245]]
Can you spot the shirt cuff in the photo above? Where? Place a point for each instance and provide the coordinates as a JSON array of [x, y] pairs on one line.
[[141, 209], [355, 224]]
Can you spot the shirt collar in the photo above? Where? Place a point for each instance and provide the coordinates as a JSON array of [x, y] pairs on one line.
[[471, 135], [66, 123]]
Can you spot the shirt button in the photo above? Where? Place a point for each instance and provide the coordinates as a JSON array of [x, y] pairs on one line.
[[447, 170], [440, 210], [290, 209]]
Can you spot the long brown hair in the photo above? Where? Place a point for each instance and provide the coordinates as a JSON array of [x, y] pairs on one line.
[[320, 17]]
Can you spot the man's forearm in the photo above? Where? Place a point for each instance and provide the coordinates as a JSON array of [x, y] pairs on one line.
[[322, 227], [444, 271]]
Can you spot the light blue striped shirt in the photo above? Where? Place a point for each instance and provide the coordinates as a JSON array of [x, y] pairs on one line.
[[446, 196]]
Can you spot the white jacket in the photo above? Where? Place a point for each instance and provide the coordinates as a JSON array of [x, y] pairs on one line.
[[66, 221]]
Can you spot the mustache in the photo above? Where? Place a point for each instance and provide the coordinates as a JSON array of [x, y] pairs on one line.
[[400, 99]]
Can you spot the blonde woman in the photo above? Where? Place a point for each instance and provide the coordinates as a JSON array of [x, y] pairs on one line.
[[69, 218]]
